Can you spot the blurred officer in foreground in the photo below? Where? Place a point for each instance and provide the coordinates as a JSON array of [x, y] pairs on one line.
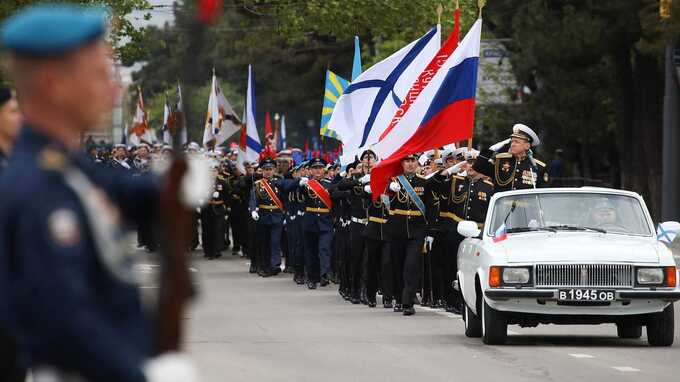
[[10, 120], [67, 289]]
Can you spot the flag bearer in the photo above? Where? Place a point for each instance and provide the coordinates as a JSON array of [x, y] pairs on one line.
[[406, 229]]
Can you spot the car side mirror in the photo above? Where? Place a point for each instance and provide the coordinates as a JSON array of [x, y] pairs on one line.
[[468, 228]]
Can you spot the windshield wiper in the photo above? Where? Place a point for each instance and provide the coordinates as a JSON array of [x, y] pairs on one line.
[[577, 228], [530, 229]]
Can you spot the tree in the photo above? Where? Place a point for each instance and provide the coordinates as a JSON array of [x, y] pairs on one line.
[[125, 37]]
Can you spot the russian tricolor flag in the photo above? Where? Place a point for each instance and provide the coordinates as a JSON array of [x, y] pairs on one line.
[[500, 234], [441, 114]]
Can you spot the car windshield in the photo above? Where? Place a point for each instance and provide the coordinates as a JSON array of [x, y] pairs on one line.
[[606, 213]]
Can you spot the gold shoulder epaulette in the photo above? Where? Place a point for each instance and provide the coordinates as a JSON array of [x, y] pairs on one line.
[[459, 177], [503, 155], [420, 176], [538, 162], [490, 183]]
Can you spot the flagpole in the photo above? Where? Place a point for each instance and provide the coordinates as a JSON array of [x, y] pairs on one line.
[[440, 10], [480, 5]]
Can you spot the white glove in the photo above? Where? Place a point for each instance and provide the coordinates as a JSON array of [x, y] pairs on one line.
[[170, 367], [198, 209], [255, 215], [197, 182], [455, 169], [216, 194], [428, 242], [499, 145], [367, 188], [395, 187], [365, 179], [304, 181]]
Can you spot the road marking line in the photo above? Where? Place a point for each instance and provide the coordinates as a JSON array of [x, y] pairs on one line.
[[193, 269], [625, 369], [577, 355], [439, 312], [512, 333]]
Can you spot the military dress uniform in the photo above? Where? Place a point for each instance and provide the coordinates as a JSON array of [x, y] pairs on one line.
[[295, 208], [406, 229], [378, 257], [212, 221], [270, 221], [341, 241], [60, 218], [358, 219], [318, 231], [511, 173], [467, 199]]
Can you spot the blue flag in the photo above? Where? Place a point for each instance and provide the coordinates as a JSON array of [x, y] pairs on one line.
[[356, 65]]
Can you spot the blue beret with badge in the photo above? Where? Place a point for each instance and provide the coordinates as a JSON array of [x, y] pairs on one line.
[[52, 30]]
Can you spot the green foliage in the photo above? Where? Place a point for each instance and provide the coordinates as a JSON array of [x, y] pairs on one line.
[[125, 37]]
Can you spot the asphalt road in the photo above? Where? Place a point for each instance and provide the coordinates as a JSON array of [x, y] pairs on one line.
[[246, 328]]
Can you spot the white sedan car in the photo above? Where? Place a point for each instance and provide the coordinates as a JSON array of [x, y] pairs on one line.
[[567, 256]]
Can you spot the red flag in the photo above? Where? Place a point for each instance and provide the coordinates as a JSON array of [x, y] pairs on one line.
[[306, 146], [268, 131], [208, 10]]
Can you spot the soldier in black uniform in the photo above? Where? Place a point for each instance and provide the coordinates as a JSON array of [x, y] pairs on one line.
[[359, 204], [212, 220], [467, 199], [119, 157], [341, 240], [379, 260], [294, 212], [510, 164], [406, 229]]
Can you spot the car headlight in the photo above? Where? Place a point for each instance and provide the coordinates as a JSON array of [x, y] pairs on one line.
[[650, 276], [516, 275]]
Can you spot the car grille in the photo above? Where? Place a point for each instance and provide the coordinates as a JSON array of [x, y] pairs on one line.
[[584, 275]]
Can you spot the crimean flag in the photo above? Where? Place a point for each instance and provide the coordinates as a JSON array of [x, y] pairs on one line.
[[335, 86], [442, 113]]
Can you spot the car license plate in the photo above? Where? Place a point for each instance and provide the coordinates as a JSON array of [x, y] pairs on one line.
[[586, 295]]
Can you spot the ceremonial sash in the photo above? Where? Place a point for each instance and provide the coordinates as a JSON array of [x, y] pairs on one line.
[[321, 192], [412, 193], [275, 198]]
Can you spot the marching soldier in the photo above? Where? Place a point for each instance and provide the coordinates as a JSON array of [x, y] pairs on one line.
[[341, 239], [267, 208], [294, 213], [510, 163], [68, 290], [119, 157], [317, 225], [212, 219], [406, 228], [359, 204], [467, 199]]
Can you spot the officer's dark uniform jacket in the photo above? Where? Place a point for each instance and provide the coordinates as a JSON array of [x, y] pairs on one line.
[[119, 164], [70, 310], [405, 219], [295, 204], [510, 173], [218, 204], [466, 199], [260, 200], [318, 216], [378, 213], [358, 199]]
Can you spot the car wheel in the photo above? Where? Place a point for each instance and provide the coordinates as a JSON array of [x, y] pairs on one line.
[[660, 328], [473, 324], [494, 326], [630, 331]]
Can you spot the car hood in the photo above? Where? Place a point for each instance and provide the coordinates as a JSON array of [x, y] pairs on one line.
[[578, 248]]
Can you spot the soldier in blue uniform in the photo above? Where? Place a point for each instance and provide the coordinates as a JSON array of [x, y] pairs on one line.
[[67, 289], [10, 121], [317, 226], [266, 206]]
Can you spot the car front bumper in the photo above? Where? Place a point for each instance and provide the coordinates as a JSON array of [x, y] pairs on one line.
[[545, 301]]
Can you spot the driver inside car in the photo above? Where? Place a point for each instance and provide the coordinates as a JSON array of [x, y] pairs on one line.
[[603, 214]]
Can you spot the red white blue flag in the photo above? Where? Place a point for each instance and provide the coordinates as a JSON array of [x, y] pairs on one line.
[[442, 113], [500, 234]]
